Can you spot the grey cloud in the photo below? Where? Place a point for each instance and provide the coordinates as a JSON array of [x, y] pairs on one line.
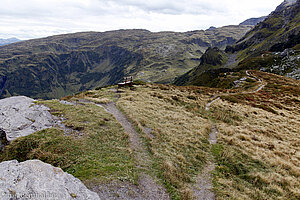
[[45, 17], [173, 7]]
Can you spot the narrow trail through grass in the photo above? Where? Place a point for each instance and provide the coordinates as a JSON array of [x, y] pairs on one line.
[[153, 190], [203, 187]]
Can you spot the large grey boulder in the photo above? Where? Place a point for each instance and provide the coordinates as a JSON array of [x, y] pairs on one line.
[[36, 180], [19, 116]]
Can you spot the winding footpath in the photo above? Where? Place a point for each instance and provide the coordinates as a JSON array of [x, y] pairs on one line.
[[147, 184], [203, 189]]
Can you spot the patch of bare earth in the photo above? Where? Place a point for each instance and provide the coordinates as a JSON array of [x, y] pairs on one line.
[[203, 189]]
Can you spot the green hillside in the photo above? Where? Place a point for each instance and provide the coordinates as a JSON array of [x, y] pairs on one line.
[[273, 45], [64, 64]]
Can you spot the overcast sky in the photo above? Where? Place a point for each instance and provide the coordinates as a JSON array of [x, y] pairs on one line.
[[39, 18]]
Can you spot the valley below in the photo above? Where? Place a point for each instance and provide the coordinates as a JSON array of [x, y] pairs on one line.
[[60, 65]]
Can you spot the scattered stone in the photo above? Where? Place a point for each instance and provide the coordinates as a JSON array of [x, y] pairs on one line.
[[36, 180]]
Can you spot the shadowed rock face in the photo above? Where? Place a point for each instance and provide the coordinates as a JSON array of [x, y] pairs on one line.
[[36, 180], [20, 117], [3, 140]]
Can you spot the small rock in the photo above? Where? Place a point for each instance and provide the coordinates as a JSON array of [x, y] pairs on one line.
[[67, 103]]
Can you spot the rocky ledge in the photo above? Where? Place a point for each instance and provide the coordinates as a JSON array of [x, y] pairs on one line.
[[36, 180], [19, 116]]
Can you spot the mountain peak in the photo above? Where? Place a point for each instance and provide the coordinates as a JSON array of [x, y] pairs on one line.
[[285, 4], [8, 41], [289, 2]]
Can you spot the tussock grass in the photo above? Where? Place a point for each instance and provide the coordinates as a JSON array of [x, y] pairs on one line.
[[97, 149], [258, 156]]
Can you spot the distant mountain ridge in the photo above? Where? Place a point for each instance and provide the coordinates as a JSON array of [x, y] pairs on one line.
[[64, 64], [253, 21], [8, 41]]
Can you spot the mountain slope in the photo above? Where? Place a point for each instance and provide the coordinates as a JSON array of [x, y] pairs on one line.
[[60, 65], [211, 61], [253, 21], [280, 30], [273, 45]]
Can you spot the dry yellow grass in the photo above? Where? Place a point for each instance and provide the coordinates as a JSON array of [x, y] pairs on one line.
[[178, 136], [258, 150], [271, 139]]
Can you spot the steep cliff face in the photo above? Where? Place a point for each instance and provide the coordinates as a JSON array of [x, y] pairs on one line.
[[53, 75], [61, 65]]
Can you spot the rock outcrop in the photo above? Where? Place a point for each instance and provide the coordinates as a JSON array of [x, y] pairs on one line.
[[20, 117], [36, 180]]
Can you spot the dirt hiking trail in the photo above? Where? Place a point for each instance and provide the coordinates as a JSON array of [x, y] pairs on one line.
[[147, 187], [203, 189]]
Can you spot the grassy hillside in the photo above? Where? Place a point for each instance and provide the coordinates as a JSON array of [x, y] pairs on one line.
[[256, 157], [258, 148], [273, 45], [207, 71], [64, 64], [280, 30]]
